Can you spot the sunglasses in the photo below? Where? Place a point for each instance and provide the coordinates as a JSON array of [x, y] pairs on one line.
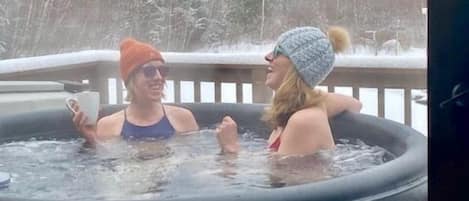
[[277, 52], [149, 71]]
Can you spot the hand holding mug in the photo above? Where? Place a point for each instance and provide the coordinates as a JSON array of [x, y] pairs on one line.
[[85, 108], [88, 102]]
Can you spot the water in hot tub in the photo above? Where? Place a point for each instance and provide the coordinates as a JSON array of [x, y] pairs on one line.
[[184, 166]]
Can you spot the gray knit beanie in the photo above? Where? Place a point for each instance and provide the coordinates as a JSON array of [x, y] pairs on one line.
[[311, 52]]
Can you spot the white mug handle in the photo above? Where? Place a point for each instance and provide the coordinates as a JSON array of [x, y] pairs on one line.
[[68, 102]]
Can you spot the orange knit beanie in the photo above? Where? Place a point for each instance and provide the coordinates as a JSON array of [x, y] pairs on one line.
[[135, 53]]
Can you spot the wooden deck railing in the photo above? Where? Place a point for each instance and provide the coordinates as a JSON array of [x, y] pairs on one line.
[[99, 66]]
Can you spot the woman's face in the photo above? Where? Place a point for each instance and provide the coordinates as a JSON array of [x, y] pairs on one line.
[[149, 81], [278, 67]]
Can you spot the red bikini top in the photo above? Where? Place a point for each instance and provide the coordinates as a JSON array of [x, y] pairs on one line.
[[274, 146]]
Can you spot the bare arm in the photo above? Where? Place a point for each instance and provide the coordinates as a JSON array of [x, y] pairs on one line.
[[107, 127], [190, 122], [86, 131], [306, 132], [337, 103], [182, 119], [110, 126]]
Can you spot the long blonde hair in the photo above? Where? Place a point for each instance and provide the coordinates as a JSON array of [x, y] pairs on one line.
[[292, 95]]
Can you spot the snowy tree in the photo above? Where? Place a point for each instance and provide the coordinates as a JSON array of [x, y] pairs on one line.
[[4, 23], [38, 27]]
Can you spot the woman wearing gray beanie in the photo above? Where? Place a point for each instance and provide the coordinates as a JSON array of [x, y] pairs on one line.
[[299, 114]]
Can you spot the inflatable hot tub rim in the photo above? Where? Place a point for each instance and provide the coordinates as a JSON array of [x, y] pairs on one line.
[[401, 176]]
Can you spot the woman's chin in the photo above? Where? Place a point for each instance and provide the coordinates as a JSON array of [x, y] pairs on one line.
[[269, 84]]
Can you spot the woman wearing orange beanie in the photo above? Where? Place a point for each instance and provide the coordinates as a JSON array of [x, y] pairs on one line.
[[144, 73]]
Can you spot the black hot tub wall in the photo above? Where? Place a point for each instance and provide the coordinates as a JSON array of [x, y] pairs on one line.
[[403, 178]]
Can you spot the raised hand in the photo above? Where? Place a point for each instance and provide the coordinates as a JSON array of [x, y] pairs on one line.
[[227, 135]]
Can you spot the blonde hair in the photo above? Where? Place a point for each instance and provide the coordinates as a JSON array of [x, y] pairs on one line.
[[292, 95], [129, 85]]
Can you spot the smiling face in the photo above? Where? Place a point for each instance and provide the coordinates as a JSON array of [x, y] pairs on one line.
[[277, 69], [148, 81]]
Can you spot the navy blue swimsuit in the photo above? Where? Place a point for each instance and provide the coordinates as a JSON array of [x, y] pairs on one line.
[[160, 130]]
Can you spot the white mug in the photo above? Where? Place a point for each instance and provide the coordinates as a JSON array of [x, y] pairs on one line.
[[89, 105]]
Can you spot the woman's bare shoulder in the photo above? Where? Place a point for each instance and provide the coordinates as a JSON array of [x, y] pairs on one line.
[[112, 118], [111, 124], [306, 131], [308, 114], [182, 118], [177, 110], [307, 118]]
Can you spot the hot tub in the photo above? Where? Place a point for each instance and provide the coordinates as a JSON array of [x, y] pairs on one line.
[[403, 178]]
